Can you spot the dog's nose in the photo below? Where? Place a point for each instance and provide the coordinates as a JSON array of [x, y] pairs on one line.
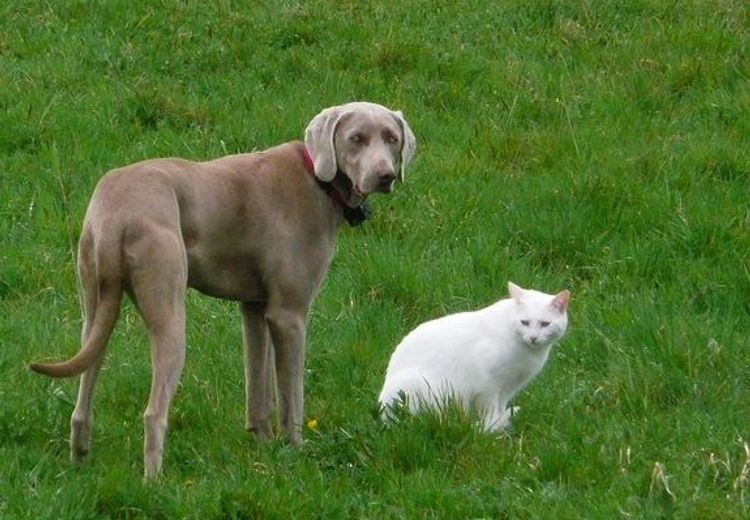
[[386, 176]]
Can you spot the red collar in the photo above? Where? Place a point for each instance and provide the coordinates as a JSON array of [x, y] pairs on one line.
[[309, 163], [354, 216]]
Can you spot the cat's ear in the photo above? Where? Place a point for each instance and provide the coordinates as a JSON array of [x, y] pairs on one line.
[[560, 302], [515, 291]]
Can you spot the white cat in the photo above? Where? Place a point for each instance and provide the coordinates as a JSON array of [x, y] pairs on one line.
[[481, 359]]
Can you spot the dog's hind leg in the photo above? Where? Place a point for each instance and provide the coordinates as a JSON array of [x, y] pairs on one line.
[[81, 421], [258, 370], [158, 280]]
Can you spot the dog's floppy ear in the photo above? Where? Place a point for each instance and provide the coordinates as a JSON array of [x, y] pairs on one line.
[[319, 141], [408, 143]]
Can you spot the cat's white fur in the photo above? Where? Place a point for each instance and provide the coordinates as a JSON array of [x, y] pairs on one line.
[[481, 359]]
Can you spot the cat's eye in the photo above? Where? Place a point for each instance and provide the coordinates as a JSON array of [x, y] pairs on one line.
[[543, 324], [525, 323]]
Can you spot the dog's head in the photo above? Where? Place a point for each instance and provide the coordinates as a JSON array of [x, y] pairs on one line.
[[369, 143]]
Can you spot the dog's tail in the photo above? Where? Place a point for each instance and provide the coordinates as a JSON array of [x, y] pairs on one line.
[[106, 291]]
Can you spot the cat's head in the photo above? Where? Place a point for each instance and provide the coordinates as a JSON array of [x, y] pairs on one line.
[[540, 319]]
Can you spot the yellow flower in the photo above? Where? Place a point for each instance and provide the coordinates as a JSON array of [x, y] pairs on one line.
[[312, 424]]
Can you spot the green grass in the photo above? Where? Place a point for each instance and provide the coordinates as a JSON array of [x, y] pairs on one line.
[[598, 146]]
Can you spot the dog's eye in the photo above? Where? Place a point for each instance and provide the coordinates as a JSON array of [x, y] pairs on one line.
[[525, 323], [543, 324], [391, 139], [356, 138]]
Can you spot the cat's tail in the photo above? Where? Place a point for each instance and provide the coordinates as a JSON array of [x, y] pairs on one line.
[[402, 394]]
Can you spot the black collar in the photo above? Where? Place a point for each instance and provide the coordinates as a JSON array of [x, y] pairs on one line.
[[354, 216]]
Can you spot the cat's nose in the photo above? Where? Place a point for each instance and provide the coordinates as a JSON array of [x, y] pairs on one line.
[[533, 340]]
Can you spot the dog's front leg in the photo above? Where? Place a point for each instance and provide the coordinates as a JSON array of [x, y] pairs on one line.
[[288, 329], [258, 370]]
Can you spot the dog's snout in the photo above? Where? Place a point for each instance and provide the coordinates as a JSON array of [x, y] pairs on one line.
[[384, 171]]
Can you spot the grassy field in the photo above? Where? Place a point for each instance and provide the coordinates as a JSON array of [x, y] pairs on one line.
[[602, 147]]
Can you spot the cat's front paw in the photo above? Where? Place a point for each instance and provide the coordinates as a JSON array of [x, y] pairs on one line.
[[501, 424]]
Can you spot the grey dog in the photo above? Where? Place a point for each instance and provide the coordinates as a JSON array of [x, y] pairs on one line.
[[256, 228]]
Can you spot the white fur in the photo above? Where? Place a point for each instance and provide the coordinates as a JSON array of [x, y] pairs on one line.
[[481, 359]]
